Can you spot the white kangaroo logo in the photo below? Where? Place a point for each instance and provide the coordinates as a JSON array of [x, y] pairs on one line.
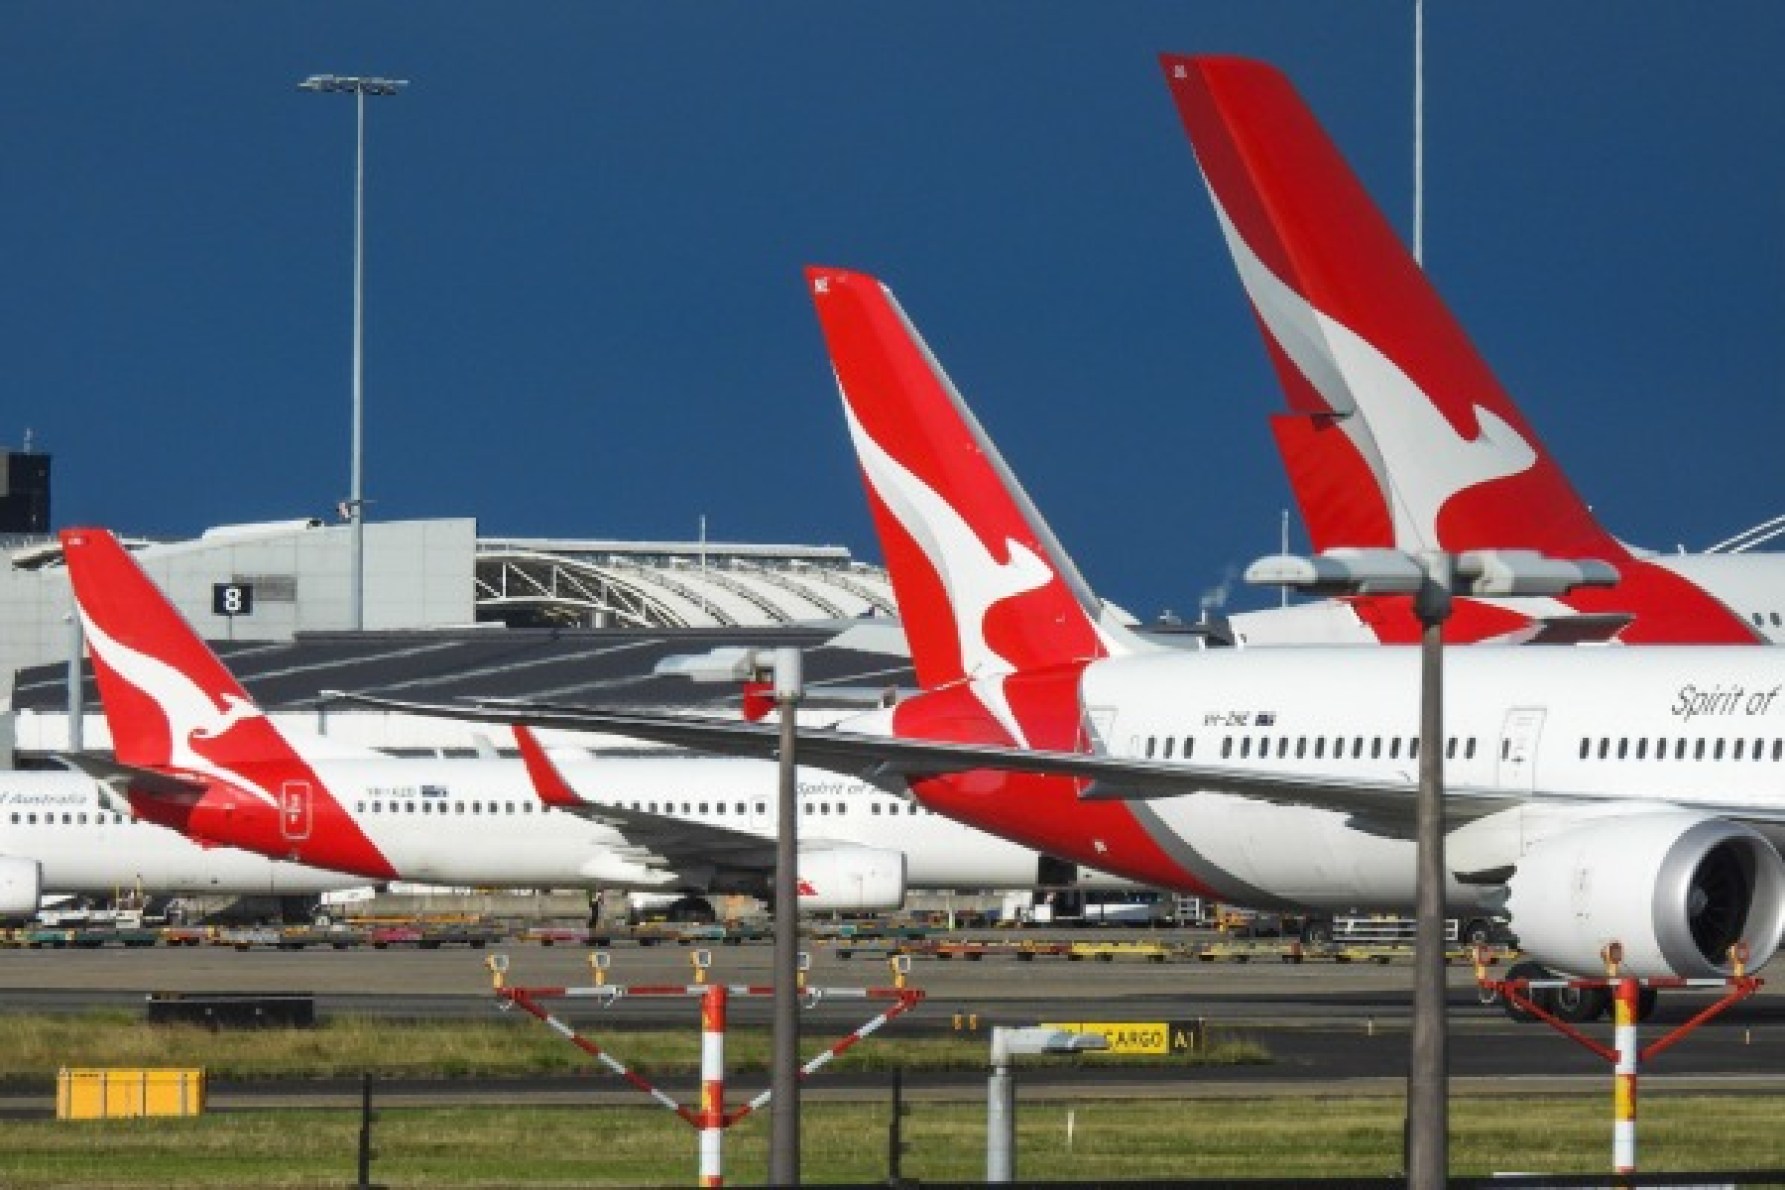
[[975, 581], [191, 714], [1419, 459]]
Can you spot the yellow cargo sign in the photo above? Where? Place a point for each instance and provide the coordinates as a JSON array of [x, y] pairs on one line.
[[1139, 1037]]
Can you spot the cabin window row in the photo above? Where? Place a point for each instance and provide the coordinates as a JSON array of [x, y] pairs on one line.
[[1663, 748], [381, 807], [29, 818], [1305, 748]]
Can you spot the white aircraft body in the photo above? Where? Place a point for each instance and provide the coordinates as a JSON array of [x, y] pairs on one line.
[[195, 754], [63, 834]]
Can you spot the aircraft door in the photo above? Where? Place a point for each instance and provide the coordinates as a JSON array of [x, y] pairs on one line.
[[1518, 748], [1099, 728], [295, 810]]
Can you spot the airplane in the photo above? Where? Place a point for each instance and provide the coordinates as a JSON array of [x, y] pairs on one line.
[[64, 834], [1593, 795], [195, 754], [1398, 434]]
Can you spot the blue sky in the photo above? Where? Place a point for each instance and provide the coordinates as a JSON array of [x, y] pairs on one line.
[[587, 222]]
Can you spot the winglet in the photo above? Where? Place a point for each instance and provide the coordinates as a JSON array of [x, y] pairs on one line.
[[547, 781]]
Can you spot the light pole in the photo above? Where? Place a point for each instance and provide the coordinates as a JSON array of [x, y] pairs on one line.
[[1432, 578], [730, 664], [359, 88]]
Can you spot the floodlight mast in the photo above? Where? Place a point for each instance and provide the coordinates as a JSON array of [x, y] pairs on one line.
[[359, 87], [1432, 578]]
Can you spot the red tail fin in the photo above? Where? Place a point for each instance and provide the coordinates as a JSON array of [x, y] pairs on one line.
[[1367, 351], [983, 587], [168, 700], [1357, 333]]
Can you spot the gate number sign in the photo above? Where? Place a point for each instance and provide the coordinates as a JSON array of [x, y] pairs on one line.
[[232, 599]]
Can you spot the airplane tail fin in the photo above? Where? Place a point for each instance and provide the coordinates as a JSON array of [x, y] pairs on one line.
[[168, 700], [983, 586], [1367, 352]]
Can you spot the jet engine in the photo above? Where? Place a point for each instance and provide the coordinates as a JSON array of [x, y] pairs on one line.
[[851, 879], [21, 887], [1676, 889]]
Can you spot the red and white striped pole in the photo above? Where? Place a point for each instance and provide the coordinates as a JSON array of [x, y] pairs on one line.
[[712, 1086], [1626, 996]]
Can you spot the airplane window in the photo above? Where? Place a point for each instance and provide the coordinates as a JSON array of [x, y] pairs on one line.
[[1450, 748], [1189, 746], [1282, 746], [1679, 750], [1245, 747], [409, 807], [1505, 748], [1413, 749], [825, 808], [1469, 749], [1604, 747], [1149, 747], [31, 820], [1301, 746], [1357, 748], [1642, 749], [703, 807], [1319, 747], [1718, 755], [739, 808], [1166, 754], [1778, 749], [1623, 749], [508, 807], [1226, 747], [1738, 750], [1394, 748], [1376, 748], [1759, 747], [809, 810], [1759, 620], [1775, 618], [526, 807], [458, 807], [842, 807], [685, 808], [1586, 746], [83, 818], [359, 807], [719, 807], [876, 807], [759, 808], [15, 817], [1697, 749]]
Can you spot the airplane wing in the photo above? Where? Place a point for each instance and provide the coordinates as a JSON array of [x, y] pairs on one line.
[[881, 759], [656, 839]]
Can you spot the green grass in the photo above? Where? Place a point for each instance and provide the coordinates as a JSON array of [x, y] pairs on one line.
[[497, 1146], [511, 1045]]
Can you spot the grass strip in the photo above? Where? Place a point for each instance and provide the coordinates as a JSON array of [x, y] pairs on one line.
[[511, 1045], [643, 1146]]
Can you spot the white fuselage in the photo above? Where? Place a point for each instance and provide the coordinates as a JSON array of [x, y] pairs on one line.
[[1572, 731], [85, 845], [481, 822]]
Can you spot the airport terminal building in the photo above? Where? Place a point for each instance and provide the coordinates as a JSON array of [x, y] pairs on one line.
[[447, 612]]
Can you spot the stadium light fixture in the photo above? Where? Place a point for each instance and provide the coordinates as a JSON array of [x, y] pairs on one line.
[[355, 507]]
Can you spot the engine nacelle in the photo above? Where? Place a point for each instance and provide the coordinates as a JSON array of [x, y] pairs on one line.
[[21, 887], [851, 879], [1676, 889]]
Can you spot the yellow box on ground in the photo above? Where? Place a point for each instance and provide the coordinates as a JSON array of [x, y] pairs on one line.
[[1139, 1037], [127, 1093]]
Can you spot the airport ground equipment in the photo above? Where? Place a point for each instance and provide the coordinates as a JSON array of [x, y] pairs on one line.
[[711, 1118], [117, 1094], [1008, 1044], [1555, 1001]]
